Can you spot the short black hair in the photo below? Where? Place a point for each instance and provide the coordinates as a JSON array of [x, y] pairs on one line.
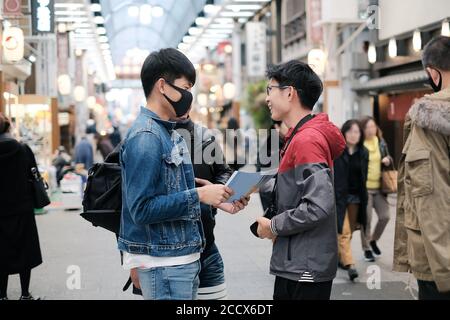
[[348, 125], [300, 76], [437, 53], [169, 64], [5, 124]]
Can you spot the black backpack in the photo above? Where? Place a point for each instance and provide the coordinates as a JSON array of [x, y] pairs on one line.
[[102, 200]]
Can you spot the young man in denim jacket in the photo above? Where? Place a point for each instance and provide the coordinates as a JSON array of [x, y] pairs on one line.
[[161, 233]]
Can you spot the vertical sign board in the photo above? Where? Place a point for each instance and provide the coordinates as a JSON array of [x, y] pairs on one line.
[[314, 15], [43, 16], [62, 44], [79, 74], [256, 49], [12, 8]]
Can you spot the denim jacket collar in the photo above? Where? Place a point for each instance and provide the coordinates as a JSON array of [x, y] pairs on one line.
[[170, 125]]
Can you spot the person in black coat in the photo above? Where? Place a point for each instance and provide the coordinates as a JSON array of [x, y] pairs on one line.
[[265, 150], [19, 240], [350, 175], [212, 277]]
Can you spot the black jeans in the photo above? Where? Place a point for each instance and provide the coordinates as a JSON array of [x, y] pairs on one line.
[[294, 290], [429, 291]]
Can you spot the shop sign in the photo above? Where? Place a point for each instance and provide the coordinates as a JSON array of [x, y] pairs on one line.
[[256, 49], [62, 43], [12, 8], [43, 16], [314, 31]]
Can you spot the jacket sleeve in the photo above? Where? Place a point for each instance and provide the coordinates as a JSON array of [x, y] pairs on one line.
[[385, 153], [340, 190], [143, 154], [315, 207], [221, 171], [432, 209], [314, 183], [401, 263]]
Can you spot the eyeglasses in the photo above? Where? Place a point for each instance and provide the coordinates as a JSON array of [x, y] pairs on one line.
[[269, 88]]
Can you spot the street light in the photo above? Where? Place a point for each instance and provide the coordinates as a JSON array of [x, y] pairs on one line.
[[417, 41], [445, 28], [79, 93], [392, 48], [372, 53], [316, 59], [145, 14], [64, 84], [133, 11], [157, 12], [229, 91]]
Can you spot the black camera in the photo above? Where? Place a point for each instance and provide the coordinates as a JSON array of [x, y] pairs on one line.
[[270, 212]]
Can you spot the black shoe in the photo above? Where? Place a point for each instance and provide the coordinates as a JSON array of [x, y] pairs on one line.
[[352, 274], [340, 265], [29, 297], [368, 256], [375, 248]]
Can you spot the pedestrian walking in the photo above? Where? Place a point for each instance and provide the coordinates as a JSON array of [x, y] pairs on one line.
[[379, 160], [19, 240], [350, 176]]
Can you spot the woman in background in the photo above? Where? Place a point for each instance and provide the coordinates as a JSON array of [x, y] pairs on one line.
[[350, 175], [379, 160], [19, 240]]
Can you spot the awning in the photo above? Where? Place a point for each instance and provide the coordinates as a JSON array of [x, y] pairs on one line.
[[394, 82]]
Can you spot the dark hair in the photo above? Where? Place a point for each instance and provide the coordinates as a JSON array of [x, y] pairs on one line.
[[348, 125], [233, 124], [364, 121], [436, 53], [169, 64], [5, 124], [300, 76]]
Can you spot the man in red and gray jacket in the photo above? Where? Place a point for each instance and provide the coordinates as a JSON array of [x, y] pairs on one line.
[[305, 254]]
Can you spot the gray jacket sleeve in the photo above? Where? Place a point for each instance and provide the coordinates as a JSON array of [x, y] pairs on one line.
[[317, 201]]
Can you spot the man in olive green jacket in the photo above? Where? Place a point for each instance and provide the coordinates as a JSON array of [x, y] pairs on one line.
[[422, 235]]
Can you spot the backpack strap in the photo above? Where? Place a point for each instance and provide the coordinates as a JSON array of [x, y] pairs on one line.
[[127, 285], [114, 156]]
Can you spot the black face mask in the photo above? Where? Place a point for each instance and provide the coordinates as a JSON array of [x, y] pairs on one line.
[[436, 87], [183, 105]]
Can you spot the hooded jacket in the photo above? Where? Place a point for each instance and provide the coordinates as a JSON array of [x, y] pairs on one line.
[[422, 233], [305, 224]]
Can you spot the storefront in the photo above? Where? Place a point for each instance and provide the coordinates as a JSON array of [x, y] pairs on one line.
[[397, 75], [35, 122]]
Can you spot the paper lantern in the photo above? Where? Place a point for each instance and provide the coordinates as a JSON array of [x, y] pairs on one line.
[[13, 44]]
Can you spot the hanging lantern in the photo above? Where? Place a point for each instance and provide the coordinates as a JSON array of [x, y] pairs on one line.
[[417, 41], [13, 44], [392, 48], [372, 54], [229, 91], [64, 84], [79, 93], [317, 61]]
